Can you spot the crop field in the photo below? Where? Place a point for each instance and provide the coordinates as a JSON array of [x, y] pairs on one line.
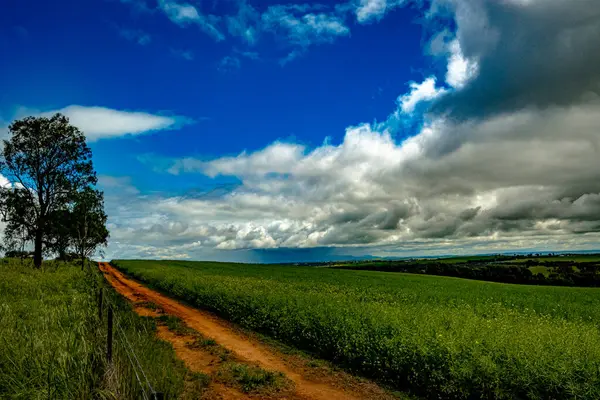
[[519, 258], [52, 345], [437, 337], [576, 258]]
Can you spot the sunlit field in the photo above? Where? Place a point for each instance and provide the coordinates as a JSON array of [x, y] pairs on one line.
[[435, 336]]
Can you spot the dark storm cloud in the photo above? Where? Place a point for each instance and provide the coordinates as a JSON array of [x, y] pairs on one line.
[[530, 53]]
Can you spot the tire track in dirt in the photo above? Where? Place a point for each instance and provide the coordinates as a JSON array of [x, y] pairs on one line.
[[241, 346]]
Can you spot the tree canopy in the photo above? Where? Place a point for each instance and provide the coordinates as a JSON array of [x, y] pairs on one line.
[[51, 182]]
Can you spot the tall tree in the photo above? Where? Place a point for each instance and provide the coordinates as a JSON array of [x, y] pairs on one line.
[[58, 237], [47, 162], [88, 223]]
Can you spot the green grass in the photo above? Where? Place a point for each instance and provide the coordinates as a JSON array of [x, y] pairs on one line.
[[509, 259], [175, 324], [540, 270], [436, 336], [210, 345], [580, 258], [49, 346], [251, 379], [458, 259], [166, 373], [53, 346], [443, 260]]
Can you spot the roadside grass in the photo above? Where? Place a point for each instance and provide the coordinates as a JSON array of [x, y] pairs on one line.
[[175, 324], [251, 379], [164, 371], [53, 346], [49, 336], [211, 346], [244, 377], [437, 337], [150, 305]]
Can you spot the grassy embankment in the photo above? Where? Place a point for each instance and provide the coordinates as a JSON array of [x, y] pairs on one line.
[[52, 344], [436, 336]]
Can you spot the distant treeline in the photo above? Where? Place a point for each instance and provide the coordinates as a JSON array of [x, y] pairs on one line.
[[560, 273]]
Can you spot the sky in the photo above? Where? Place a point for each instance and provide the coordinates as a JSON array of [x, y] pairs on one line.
[[287, 131]]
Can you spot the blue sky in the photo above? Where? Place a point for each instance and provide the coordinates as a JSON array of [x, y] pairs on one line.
[[347, 126], [88, 60], [115, 55]]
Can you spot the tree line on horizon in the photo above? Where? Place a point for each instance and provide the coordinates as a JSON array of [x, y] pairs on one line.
[[558, 273], [50, 203]]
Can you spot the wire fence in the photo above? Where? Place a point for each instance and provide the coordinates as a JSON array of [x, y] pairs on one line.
[[147, 391]]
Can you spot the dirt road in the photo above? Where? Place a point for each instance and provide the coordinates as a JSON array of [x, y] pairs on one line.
[[330, 386]]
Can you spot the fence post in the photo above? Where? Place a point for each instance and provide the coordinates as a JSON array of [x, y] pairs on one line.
[[109, 338], [100, 304]]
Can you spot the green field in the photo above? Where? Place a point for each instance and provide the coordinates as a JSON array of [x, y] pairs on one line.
[[52, 345], [444, 260], [576, 258], [538, 269], [435, 336]]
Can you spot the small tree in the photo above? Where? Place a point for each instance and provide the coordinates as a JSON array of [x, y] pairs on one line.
[[46, 161], [88, 223]]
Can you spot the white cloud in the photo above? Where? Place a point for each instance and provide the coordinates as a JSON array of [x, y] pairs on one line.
[[100, 122], [180, 13], [245, 23], [4, 183], [305, 29], [522, 180], [184, 14], [460, 69], [374, 10], [120, 184], [370, 9], [302, 29], [419, 92], [322, 24], [296, 26]]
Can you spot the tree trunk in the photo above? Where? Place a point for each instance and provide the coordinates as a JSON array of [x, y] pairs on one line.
[[82, 262], [37, 252], [62, 254]]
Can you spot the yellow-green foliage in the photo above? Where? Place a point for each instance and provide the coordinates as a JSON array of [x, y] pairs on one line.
[[540, 270], [439, 337]]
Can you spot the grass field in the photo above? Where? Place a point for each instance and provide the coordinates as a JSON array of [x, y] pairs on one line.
[[52, 345], [435, 336], [576, 258], [538, 269], [444, 260]]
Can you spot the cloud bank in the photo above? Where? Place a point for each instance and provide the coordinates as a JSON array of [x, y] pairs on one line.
[[507, 155]]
